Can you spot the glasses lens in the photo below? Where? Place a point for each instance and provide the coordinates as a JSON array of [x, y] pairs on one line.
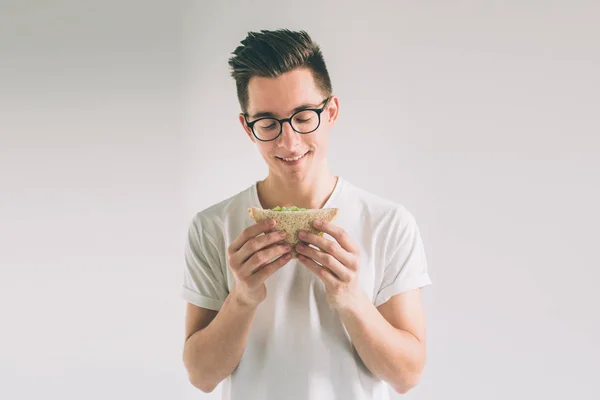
[[266, 129], [306, 121]]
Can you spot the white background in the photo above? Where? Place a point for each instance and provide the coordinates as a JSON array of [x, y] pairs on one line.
[[481, 117]]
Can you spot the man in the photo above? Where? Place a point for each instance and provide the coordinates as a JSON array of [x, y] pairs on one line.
[[291, 328]]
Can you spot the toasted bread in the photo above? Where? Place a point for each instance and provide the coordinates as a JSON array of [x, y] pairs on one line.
[[293, 221]]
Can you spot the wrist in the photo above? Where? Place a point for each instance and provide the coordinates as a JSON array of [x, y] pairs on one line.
[[355, 304], [242, 301]]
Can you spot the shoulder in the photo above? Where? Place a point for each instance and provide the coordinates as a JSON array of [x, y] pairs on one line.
[[384, 223], [214, 217], [374, 207]]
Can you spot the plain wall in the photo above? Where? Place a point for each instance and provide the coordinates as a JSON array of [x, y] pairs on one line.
[[118, 122]]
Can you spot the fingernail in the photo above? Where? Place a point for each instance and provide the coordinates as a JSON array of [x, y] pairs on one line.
[[302, 235], [318, 223], [271, 222], [299, 246]]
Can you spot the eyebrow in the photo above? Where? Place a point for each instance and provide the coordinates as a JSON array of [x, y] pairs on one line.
[[270, 114]]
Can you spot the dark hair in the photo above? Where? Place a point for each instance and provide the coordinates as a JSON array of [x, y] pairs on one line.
[[272, 53]]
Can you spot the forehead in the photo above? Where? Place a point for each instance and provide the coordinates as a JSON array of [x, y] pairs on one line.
[[282, 94]]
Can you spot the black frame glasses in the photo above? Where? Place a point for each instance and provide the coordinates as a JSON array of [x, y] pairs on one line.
[[288, 120]]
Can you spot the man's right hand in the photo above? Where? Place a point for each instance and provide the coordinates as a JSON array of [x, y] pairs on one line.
[[216, 340], [250, 258]]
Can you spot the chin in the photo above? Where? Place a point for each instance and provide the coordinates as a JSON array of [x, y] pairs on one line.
[[296, 177]]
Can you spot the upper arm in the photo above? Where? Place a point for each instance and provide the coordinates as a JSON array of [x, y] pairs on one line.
[[404, 311], [197, 318], [404, 263], [205, 281]]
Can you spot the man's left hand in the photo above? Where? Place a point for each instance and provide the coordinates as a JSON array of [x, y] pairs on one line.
[[339, 261]]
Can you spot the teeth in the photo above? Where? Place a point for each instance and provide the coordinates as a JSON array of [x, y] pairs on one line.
[[294, 159]]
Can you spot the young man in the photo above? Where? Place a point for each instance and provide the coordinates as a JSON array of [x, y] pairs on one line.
[[291, 328]]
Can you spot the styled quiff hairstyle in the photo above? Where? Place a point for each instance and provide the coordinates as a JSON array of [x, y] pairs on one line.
[[273, 53]]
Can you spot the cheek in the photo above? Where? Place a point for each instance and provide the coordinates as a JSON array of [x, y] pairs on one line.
[[265, 149], [319, 146], [269, 152]]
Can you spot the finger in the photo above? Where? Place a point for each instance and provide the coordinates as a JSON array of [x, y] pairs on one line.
[[263, 273], [327, 246], [251, 232], [258, 243], [264, 257], [340, 235], [322, 273], [327, 260]]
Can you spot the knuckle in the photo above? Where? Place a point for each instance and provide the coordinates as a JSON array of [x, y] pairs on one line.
[[331, 247], [264, 241], [337, 287], [272, 251], [329, 259], [348, 277], [259, 258], [345, 237], [322, 272], [274, 237], [232, 262], [253, 244]]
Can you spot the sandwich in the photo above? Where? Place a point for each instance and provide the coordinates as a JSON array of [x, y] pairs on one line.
[[293, 219]]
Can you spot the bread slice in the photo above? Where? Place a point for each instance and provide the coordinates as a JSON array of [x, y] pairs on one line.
[[293, 221]]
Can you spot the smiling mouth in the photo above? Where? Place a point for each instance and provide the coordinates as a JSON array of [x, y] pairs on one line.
[[293, 159]]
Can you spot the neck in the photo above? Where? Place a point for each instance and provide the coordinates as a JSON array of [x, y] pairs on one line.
[[311, 192]]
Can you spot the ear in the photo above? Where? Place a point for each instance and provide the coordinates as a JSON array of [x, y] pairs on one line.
[[333, 109], [246, 128]]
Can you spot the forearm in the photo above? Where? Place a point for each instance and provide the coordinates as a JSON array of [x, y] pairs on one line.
[[211, 354], [391, 354]]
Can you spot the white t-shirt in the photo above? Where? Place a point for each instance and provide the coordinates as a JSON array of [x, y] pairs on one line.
[[298, 347]]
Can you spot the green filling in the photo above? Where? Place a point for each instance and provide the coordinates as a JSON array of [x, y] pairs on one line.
[[293, 208]]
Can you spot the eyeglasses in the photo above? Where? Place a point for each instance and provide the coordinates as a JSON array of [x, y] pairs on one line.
[[302, 121]]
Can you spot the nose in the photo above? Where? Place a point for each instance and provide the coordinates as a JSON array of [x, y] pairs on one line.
[[289, 138]]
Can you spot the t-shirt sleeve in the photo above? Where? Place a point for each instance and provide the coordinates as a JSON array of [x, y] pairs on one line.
[[406, 266], [204, 281]]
